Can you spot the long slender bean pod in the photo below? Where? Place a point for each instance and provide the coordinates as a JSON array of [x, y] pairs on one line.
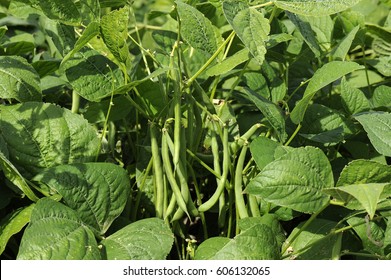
[[158, 172], [226, 165], [239, 200], [170, 174]]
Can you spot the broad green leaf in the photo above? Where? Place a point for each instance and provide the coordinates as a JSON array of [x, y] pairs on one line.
[[228, 64], [271, 111], [353, 99], [92, 75], [98, 192], [255, 243], [250, 25], [64, 11], [90, 32], [41, 135], [314, 242], [378, 127], [12, 174], [114, 30], [13, 224], [324, 125], [381, 97], [56, 233], [210, 247], [258, 83], [196, 29], [263, 151], [147, 239], [341, 50], [315, 7], [325, 75], [267, 219], [295, 180], [21, 44], [382, 64], [368, 195], [18, 79], [359, 176], [364, 171]]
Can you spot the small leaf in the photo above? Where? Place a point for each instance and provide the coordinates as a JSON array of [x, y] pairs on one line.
[[228, 64], [196, 29], [306, 31], [114, 30], [255, 243], [368, 195], [56, 233], [147, 239], [93, 75], [64, 11], [315, 7], [271, 111], [341, 50], [41, 135], [295, 180], [325, 75], [18, 79], [263, 151], [314, 242], [13, 224], [250, 25], [12, 174], [354, 100], [381, 97], [98, 192], [378, 127], [210, 247], [89, 33]]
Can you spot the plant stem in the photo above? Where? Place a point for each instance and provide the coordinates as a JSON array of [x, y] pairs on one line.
[[210, 60], [286, 244]]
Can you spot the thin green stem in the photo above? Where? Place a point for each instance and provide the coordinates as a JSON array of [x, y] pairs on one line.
[[293, 135], [210, 60], [287, 244]]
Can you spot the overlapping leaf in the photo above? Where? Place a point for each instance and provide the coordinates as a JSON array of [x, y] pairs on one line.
[[98, 192], [249, 25], [257, 242], [315, 7], [42, 135], [93, 75], [196, 29], [18, 79], [56, 233], [147, 239], [295, 180], [378, 127]]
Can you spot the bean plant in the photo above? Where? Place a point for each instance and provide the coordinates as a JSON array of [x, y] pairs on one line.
[[232, 129]]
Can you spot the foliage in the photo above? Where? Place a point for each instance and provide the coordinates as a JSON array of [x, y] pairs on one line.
[[232, 129]]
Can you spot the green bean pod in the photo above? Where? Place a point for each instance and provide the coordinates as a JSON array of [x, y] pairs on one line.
[[170, 174], [158, 171], [239, 200], [226, 165]]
